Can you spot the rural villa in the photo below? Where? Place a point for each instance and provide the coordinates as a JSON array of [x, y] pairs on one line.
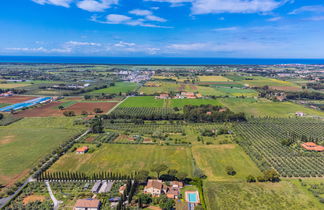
[[156, 188], [82, 150]]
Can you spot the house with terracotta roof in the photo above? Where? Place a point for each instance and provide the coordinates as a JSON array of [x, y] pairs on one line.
[[82, 150], [87, 204], [154, 187], [164, 96], [157, 187], [311, 146]]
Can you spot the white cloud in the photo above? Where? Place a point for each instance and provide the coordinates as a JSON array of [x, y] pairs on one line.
[[126, 20], [147, 14], [233, 6], [140, 12], [226, 29], [116, 19], [274, 19], [124, 44], [76, 43], [313, 8], [155, 18], [316, 18], [40, 50], [63, 3], [96, 6], [190, 46]]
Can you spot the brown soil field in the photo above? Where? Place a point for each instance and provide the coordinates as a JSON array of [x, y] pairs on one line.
[[89, 107], [47, 110], [15, 99], [286, 88], [33, 198]]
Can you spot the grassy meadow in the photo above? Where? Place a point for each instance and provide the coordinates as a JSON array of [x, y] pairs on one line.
[[265, 108], [248, 196], [120, 87], [24, 143], [213, 160], [125, 158]]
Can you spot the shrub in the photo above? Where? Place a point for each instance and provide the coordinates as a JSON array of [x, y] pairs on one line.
[[230, 170], [250, 178]]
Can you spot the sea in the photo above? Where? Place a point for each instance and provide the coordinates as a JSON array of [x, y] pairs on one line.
[[155, 60]]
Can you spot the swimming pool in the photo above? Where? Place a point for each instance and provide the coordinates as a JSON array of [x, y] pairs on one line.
[[24, 104], [192, 197]]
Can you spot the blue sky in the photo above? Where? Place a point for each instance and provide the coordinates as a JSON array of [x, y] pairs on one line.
[[175, 28]]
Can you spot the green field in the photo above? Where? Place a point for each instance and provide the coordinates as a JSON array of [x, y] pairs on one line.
[[266, 108], [214, 159], [126, 158], [238, 91], [24, 143], [142, 101], [120, 87], [283, 195], [213, 79], [182, 102]]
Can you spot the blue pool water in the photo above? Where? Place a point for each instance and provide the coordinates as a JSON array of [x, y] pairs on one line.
[[24, 104], [192, 197]]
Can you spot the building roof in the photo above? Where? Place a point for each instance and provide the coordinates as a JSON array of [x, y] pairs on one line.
[[87, 203], [312, 146], [154, 183], [82, 149], [180, 184]]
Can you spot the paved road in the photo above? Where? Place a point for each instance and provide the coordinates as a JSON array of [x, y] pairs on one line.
[[55, 201]]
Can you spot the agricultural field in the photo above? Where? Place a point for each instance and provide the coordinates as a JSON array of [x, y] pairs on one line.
[[263, 141], [12, 85], [258, 81], [126, 158], [180, 103], [89, 107], [24, 143], [142, 101], [214, 159], [238, 91], [213, 79], [265, 108], [120, 87], [15, 99], [282, 195]]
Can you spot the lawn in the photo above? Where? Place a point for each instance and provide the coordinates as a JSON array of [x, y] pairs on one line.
[[214, 159], [283, 195], [126, 158], [213, 79], [142, 101], [24, 143], [120, 87], [266, 108]]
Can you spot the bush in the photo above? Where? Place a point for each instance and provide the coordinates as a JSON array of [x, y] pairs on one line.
[[230, 170], [69, 113], [250, 178]]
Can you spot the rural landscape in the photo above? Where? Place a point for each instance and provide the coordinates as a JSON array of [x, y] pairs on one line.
[[81, 136]]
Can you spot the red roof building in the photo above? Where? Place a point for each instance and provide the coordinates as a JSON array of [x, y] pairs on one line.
[[311, 146], [87, 204], [82, 150]]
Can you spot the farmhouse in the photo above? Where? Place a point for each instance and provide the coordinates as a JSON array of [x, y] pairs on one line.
[[82, 150], [87, 204], [312, 147], [154, 187], [157, 187], [164, 96]]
